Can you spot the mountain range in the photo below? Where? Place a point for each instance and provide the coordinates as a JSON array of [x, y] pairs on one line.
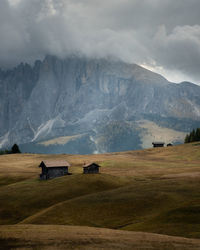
[[79, 105]]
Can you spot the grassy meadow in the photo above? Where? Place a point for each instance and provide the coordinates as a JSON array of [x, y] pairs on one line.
[[136, 196]]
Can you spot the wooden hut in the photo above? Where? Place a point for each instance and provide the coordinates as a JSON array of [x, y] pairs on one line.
[[53, 169], [158, 144], [91, 168]]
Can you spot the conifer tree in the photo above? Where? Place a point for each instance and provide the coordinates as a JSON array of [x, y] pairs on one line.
[[15, 149], [193, 136]]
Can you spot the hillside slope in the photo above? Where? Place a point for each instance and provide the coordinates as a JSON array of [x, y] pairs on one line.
[[71, 237], [25, 198], [160, 206], [154, 190]]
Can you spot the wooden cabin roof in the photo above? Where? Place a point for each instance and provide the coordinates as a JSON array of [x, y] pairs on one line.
[[89, 164], [54, 164]]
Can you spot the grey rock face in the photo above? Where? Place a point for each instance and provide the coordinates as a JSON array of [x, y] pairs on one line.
[[85, 96]]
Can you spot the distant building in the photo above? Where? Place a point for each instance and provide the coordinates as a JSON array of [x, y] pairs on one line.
[[158, 144], [53, 169], [91, 168]]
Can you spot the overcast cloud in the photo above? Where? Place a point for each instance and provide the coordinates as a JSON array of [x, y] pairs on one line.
[[162, 35]]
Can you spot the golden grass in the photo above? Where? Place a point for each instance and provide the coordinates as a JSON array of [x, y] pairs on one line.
[[71, 237], [149, 162], [158, 133], [159, 206], [152, 190], [25, 198]]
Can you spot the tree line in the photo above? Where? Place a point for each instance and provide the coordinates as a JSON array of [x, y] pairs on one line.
[[193, 136], [14, 150]]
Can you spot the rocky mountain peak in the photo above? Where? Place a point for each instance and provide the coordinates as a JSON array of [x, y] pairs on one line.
[[84, 98]]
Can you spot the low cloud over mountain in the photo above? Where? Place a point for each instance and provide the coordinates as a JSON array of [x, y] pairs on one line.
[[163, 35]]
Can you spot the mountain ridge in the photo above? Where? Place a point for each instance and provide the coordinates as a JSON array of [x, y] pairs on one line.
[[73, 96]]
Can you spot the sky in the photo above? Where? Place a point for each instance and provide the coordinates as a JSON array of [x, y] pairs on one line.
[[163, 36]]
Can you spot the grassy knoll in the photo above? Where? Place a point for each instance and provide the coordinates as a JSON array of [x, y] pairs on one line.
[[159, 206], [153, 190], [22, 199], [50, 237]]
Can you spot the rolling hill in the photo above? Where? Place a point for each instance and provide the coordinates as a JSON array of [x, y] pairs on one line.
[[72, 237], [150, 191]]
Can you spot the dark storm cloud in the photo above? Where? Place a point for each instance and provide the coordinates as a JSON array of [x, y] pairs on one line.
[[157, 33]]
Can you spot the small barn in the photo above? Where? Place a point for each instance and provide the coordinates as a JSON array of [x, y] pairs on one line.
[[91, 168], [158, 144], [53, 169]]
